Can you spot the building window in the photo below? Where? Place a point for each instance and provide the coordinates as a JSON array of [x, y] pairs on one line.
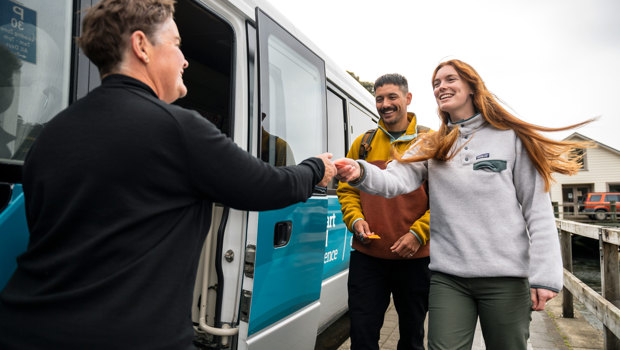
[[580, 155]]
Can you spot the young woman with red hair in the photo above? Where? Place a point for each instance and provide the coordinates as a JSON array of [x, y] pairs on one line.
[[495, 253]]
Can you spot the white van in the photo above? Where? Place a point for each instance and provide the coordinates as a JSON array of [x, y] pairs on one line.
[[269, 280]]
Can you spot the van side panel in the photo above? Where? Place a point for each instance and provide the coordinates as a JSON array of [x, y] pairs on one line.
[[337, 241], [293, 332]]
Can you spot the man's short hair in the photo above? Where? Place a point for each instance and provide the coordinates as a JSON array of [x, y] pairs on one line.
[[109, 23], [394, 79]]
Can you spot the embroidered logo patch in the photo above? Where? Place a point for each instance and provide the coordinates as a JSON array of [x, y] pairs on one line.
[[484, 155]]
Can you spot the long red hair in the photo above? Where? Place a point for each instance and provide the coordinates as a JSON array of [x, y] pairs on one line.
[[549, 156]]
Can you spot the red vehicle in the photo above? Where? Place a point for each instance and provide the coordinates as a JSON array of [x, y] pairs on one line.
[[597, 205]]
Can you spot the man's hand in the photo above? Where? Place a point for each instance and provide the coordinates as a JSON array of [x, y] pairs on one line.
[[348, 169], [406, 245], [540, 297], [330, 169], [361, 231]]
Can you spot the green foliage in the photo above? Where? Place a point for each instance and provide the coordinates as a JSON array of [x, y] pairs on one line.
[[370, 86]]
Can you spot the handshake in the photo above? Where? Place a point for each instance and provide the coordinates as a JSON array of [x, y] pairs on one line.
[[343, 169]]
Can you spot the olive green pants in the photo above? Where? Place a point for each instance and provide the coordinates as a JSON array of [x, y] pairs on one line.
[[503, 305]]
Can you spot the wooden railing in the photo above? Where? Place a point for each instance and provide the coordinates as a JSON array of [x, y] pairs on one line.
[[572, 210], [604, 307]]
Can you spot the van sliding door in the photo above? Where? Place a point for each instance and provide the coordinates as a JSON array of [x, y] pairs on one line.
[[286, 282]]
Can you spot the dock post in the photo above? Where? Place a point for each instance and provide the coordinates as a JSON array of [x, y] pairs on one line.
[[610, 283], [567, 261]]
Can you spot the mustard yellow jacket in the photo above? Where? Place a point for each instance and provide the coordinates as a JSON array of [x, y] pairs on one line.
[[381, 144]]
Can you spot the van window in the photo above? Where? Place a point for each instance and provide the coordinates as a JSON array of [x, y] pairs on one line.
[[359, 122], [335, 125], [35, 55], [292, 96], [595, 198], [294, 105], [336, 130]]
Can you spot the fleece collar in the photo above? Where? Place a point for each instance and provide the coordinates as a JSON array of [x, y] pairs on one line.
[[468, 126], [410, 134]]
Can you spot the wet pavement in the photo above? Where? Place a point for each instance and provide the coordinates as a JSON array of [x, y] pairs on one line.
[[548, 331]]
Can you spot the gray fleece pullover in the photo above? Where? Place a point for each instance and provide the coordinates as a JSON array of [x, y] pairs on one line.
[[490, 214]]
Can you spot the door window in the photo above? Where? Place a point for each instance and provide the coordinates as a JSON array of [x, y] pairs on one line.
[[292, 99], [568, 199]]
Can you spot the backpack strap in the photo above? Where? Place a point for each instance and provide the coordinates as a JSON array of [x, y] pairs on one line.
[[365, 145]]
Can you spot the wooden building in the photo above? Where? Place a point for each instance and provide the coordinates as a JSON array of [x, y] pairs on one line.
[[600, 173]]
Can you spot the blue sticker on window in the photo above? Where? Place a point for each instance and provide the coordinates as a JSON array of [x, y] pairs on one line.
[[18, 30], [484, 155]]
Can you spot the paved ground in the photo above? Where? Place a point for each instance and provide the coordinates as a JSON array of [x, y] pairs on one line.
[[548, 331], [578, 333]]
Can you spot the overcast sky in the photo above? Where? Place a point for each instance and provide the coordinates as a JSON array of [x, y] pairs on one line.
[[553, 62]]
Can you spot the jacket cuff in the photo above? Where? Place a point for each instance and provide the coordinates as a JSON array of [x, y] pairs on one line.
[[536, 286], [360, 179], [418, 237], [318, 168], [353, 224]]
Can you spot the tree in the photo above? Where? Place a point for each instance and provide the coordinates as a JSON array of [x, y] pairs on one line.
[[366, 84]]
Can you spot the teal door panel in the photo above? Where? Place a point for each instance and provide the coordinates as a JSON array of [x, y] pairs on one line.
[[337, 241], [13, 234], [288, 278]]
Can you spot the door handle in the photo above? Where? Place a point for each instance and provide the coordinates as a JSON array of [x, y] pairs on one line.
[[282, 233]]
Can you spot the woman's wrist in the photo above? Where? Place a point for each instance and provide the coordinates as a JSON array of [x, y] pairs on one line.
[[361, 177]]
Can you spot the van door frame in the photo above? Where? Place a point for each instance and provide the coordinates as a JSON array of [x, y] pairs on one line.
[[281, 325]]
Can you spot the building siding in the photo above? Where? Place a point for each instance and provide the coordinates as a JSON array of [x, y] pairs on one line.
[[602, 167]]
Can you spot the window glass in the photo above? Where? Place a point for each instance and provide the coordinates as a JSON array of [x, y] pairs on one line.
[[359, 122], [595, 198], [611, 197], [295, 107], [335, 125], [335, 130], [35, 52], [579, 154]]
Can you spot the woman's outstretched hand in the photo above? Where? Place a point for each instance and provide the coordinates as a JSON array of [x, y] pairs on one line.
[[348, 169]]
